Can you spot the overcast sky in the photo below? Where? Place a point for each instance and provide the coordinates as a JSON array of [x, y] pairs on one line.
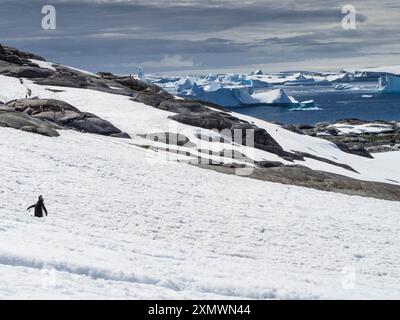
[[206, 35]]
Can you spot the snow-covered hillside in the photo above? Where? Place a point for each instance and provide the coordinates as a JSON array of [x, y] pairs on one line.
[[128, 221], [137, 118], [124, 225]]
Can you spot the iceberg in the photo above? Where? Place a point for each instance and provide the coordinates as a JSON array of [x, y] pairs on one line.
[[184, 84], [211, 77], [216, 93], [389, 84], [342, 77], [259, 82], [237, 78], [307, 82]]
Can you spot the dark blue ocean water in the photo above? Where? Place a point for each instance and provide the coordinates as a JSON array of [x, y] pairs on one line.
[[366, 104]]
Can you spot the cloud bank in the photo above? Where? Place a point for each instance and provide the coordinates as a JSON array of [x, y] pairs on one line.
[[186, 35]]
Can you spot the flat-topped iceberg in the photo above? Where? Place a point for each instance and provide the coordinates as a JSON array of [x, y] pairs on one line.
[[389, 84], [216, 93], [231, 96]]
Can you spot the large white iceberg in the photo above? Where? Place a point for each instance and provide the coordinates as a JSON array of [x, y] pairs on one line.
[[236, 78], [230, 96], [278, 96], [389, 84], [216, 93]]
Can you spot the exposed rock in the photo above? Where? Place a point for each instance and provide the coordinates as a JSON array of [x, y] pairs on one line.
[[92, 124], [332, 132], [268, 164], [25, 122], [149, 98], [326, 131], [15, 56], [122, 135], [24, 71], [354, 149], [182, 106], [331, 162], [64, 114], [16, 63], [238, 129], [207, 120], [305, 177]]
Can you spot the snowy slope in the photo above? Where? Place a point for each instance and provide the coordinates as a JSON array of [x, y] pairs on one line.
[[137, 118], [124, 224], [11, 88]]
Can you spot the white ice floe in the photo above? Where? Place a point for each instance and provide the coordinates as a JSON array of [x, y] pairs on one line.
[[230, 95], [80, 70], [123, 225]]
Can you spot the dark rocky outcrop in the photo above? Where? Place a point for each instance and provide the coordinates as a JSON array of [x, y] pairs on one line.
[[16, 63], [237, 129], [356, 149], [268, 164], [305, 177], [24, 71], [65, 115], [183, 106], [25, 122], [361, 144], [331, 162], [207, 120], [15, 56]]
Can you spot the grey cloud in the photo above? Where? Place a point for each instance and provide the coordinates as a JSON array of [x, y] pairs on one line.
[[115, 35]]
